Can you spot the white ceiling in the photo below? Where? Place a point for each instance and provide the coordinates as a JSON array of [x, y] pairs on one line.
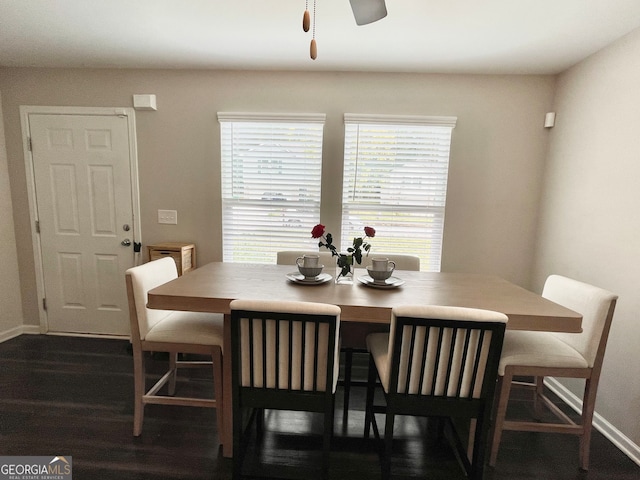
[[445, 36]]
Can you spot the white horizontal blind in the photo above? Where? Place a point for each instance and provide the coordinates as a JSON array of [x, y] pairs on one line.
[[271, 173], [395, 180]]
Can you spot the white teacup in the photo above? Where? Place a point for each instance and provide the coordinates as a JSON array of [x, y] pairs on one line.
[[308, 261], [310, 272], [382, 265], [379, 276]]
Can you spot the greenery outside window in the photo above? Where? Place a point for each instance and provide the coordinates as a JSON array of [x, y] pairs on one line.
[[395, 180], [271, 175]]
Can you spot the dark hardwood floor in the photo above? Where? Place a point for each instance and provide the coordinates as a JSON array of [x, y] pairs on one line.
[[74, 396]]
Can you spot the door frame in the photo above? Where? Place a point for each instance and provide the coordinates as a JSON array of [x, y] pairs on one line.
[[25, 111]]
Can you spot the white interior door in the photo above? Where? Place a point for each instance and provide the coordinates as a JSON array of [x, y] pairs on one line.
[[84, 195]]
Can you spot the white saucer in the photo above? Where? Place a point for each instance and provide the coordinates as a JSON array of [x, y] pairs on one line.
[[391, 282], [297, 277]]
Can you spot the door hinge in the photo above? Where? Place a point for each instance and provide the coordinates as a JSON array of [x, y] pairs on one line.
[[29, 144], [37, 226], [44, 303]]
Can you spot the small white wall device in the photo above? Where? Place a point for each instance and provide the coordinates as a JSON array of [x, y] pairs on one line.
[[549, 119], [144, 102]]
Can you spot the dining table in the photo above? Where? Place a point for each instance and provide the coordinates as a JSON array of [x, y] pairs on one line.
[[365, 306]]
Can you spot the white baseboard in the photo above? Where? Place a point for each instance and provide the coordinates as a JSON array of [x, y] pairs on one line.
[[35, 330], [614, 435], [19, 330], [89, 335], [31, 329]]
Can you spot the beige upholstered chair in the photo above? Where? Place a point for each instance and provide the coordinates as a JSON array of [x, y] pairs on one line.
[[544, 354], [285, 357], [172, 332], [436, 362], [403, 262], [288, 257]]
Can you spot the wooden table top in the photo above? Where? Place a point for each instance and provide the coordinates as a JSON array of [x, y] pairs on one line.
[[212, 287]]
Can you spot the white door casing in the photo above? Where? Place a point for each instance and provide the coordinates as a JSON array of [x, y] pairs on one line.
[[84, 197]]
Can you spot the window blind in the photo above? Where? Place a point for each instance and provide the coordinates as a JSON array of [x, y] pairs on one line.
[[271, 174], [395, 180]]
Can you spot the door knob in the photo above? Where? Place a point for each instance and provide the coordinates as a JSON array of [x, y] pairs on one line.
[[126, 242]]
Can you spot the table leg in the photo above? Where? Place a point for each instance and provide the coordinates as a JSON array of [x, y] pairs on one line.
[[226, 434]]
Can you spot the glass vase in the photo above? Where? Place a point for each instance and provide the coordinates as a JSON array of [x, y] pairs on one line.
[[345, 269]]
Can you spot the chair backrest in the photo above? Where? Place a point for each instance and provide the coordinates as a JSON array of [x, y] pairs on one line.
[[402, 261], [596, 307], [449, 352], [140, 280], [288, 257], [285, 345]]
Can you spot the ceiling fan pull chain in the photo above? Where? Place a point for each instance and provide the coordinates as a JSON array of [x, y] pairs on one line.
[[313, 50], [306, 20]]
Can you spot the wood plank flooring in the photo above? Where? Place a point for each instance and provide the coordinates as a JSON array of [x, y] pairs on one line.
[[74, 396]]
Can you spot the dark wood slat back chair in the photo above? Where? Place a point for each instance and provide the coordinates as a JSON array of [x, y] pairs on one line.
[[436, 361], [285, 357], [403, 262], [569, 355], [173, 332]]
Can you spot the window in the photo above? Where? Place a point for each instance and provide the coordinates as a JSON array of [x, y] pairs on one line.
[[395, 180], [271, 169]]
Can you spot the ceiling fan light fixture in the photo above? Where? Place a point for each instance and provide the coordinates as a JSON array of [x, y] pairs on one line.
[[368, 11]]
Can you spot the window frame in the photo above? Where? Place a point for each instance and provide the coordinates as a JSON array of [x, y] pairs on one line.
[[359, 153], [298, 211]]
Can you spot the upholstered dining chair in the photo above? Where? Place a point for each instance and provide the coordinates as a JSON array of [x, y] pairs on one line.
[[288, 257], [403, 262], [436, 361], [546, 354], [173, 332], [285, 357]]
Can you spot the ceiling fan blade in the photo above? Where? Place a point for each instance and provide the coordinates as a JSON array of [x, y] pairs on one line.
[[368, 11]]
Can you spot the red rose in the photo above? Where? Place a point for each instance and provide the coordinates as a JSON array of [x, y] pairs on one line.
[[317, 231], [369, 232]]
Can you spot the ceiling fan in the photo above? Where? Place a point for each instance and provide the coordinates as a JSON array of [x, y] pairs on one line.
[[368, 11], [364, 12]]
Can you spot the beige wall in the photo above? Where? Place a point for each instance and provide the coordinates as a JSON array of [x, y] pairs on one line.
[[590, 220], [10, 304], [498, 151]]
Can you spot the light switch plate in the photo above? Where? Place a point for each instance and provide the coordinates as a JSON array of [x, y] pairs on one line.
[[168, 216]]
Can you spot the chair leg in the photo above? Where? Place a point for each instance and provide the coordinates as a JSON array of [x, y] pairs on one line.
[[326, 440], [371, 388], [503, 392], [348, 362], [537, 397], [139, 391], [478, 455], [259, 418], [473, 425], [173, 360], [588, 405], [388, 446], [216, 360], [238, 443]]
